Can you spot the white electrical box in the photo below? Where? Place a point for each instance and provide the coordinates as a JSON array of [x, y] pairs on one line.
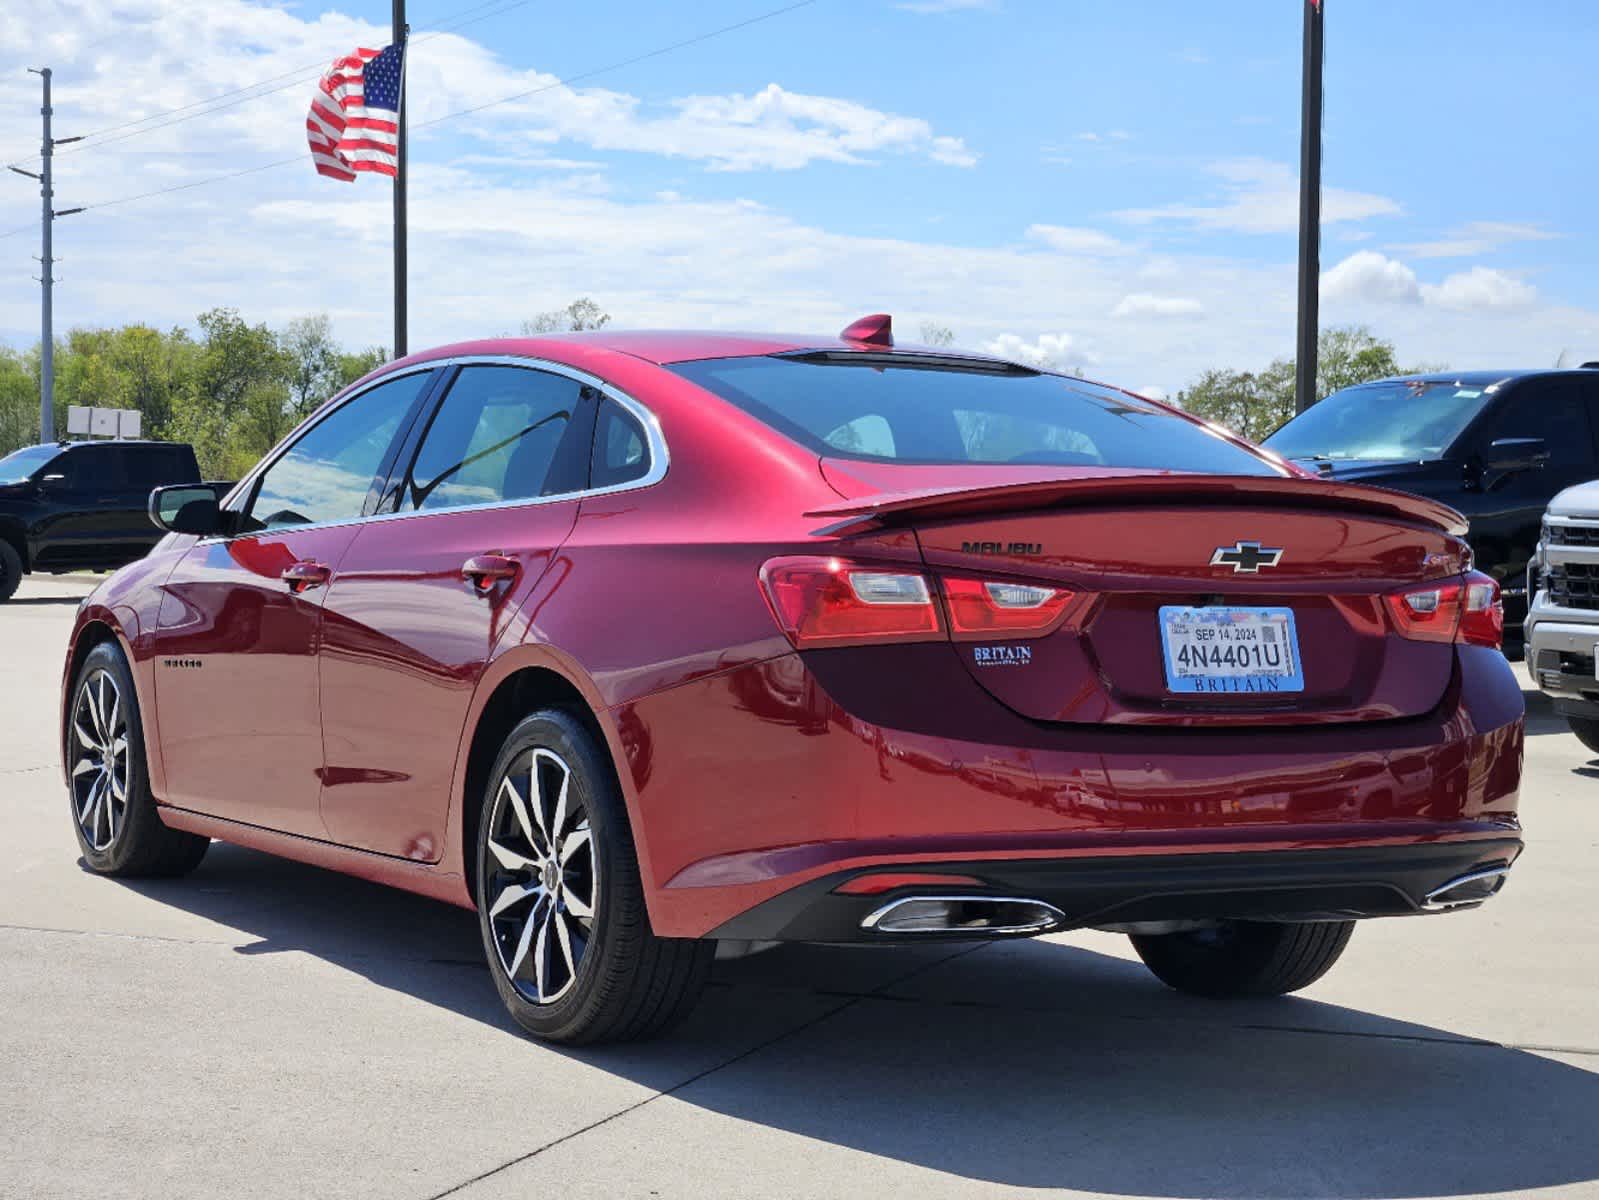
[[103, 422], [130, 421], [78, 420]]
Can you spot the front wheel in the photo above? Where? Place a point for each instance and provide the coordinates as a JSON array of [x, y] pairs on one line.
[[10, 570], [1587, 731], [1245, 958], [113, 812], [560, 902]]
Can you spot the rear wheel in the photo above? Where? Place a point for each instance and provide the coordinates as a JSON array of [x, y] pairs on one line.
[[560, 901], [1245, 958], [10, 570], [1587, 731], [113, 812]]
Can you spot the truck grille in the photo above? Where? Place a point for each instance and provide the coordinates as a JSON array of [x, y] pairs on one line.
[[1574, 535], [1574, 585]]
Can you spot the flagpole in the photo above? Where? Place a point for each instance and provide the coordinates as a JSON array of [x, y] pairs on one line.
[[400, 31]]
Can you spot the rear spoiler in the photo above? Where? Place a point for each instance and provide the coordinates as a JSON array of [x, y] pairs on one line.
[[882, 509]]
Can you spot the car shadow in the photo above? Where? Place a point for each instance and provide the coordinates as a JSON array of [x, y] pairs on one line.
[[1541, 715], [1027, 1064]]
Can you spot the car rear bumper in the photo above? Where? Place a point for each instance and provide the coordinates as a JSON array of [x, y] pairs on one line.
[[836, 763], [1279, 885]]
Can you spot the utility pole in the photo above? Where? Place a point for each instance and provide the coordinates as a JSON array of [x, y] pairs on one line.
[[1309, 208], [47, 427], [400, 30]]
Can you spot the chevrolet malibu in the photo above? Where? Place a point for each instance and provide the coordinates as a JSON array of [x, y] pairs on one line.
[[643, 644]]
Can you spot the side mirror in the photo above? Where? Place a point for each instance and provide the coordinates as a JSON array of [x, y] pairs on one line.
[[186, 509], [1516, 454]]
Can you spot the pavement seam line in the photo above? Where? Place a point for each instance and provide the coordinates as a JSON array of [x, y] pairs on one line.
[[802, 1027]]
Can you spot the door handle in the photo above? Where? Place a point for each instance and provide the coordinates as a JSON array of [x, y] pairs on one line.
[[486, 570], [304, 575]]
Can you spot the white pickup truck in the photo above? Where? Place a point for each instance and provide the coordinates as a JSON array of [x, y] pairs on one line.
[[1563, 622]]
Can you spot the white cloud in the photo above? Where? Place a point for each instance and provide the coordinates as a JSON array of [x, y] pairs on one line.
[[1143, 304], [1373, 278], [1480, 289], [118, 81], [1263, 197], [1071, 239], [1474, 238], [1051, 351], [1153, 391]]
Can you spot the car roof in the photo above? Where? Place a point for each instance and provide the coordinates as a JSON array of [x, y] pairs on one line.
[[666, 346], [1484, 378], [71, 444]]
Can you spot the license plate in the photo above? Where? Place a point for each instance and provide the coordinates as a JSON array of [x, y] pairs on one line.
[[1241, 650]]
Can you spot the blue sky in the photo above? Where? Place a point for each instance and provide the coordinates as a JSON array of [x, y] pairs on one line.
[[1102, 184]]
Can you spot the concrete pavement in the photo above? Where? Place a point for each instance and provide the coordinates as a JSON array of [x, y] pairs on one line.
[[263, 1029]]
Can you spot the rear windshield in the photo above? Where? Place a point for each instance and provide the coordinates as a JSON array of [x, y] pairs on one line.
[[891, 410], [1412, 421]]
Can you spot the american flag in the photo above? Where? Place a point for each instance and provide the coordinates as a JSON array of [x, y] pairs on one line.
[[354, 113]]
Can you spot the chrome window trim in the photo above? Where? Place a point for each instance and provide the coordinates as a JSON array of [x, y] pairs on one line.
[[660, 459]]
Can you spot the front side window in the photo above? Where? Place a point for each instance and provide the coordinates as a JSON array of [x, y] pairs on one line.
[[497, 436], [891, 408], [91, 469], [326, 474], [1553, 410]]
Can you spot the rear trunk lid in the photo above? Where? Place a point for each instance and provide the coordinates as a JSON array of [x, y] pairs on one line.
[[1142, 544]]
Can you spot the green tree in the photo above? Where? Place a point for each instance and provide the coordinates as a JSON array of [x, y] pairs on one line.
[[1254, 404], [19, 402], [313, 362], [580, 315], [934, 334]]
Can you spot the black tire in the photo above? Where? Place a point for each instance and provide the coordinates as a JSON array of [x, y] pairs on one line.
[[10, 570], [607, 978], [138, 843], [1587, 731], [1245, 958]]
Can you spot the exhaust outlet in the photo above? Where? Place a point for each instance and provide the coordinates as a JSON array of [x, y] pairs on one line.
[[1466, 890], [980, 916]]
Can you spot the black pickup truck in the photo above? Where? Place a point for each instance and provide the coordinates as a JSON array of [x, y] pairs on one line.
[[75, 505]]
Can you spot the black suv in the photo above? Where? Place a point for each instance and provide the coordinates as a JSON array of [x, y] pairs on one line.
[[82, 504], [1497, 445]]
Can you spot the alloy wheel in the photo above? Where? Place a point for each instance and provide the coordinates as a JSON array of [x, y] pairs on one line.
[[543, 883], [101, 764]]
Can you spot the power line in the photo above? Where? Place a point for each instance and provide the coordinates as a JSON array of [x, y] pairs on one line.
[[294, 78], [565, 82]]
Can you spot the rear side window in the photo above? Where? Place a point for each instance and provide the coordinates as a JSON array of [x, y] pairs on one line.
[[150, 467], [497, 436], [621, 449], [327, 473], [888, 408]]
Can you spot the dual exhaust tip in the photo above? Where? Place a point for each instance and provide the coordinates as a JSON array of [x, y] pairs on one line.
[[999, 916], [991, 916]]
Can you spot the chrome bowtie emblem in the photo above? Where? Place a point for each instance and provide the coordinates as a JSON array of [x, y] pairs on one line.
[[1246, 557]]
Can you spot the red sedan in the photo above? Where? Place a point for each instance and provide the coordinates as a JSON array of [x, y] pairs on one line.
[[641, 643]]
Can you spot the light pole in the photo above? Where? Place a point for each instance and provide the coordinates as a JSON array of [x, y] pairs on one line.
[[1309, 208]]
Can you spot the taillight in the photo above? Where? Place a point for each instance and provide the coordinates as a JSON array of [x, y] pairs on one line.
[[830, 602], [1464, 608], [989, 608]]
